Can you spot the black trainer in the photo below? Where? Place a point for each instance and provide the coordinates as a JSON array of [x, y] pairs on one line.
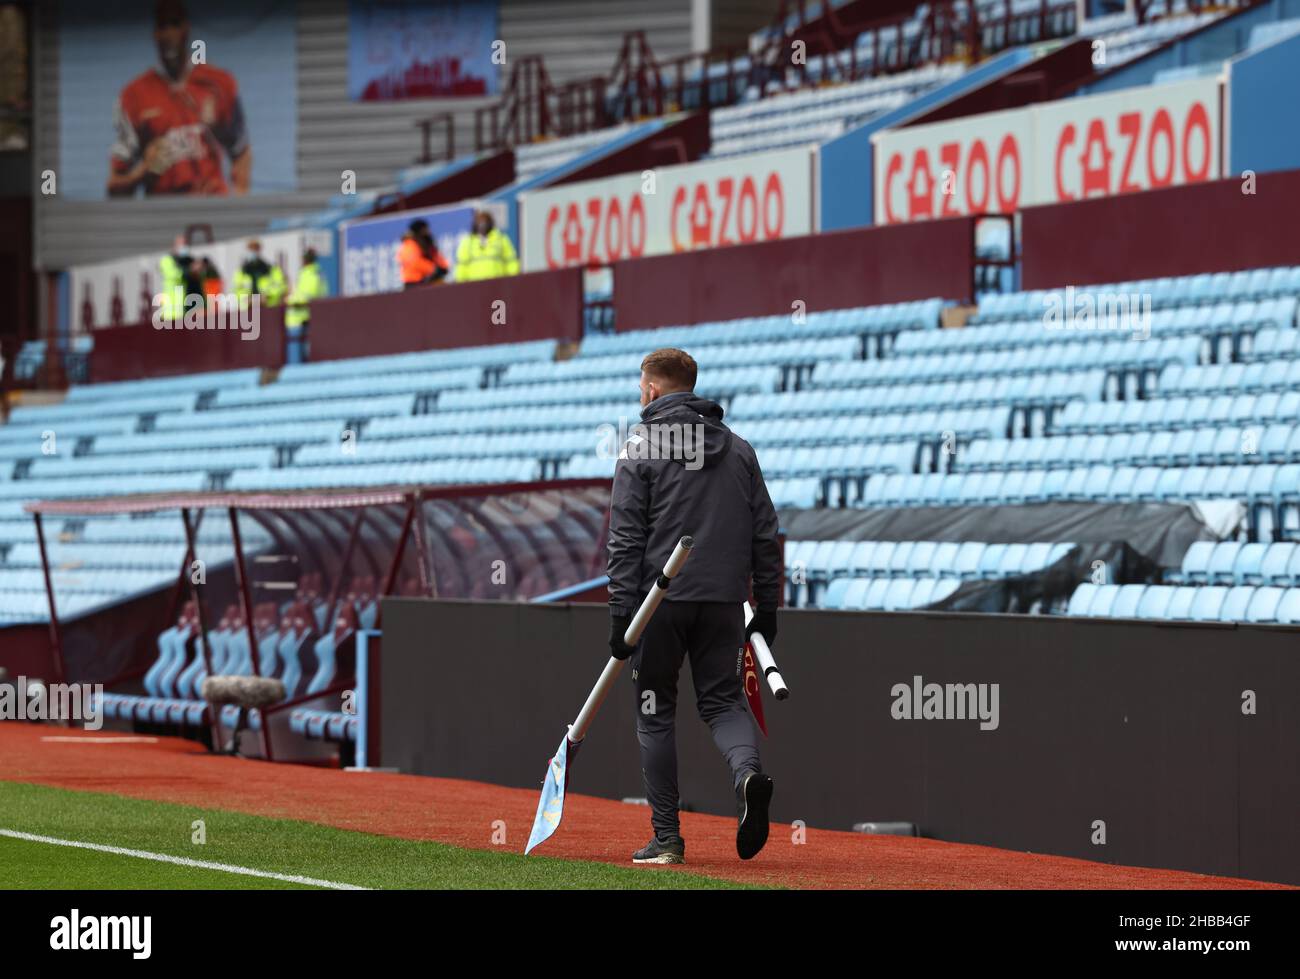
[[752, 799], [662, 851]]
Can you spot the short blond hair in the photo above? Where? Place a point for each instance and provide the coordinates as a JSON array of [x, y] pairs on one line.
[[675, 367]]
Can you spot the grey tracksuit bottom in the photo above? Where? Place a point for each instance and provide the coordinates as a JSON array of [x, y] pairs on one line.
[[713, 635]]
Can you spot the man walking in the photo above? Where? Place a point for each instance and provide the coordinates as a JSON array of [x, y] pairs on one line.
[[681, 472]]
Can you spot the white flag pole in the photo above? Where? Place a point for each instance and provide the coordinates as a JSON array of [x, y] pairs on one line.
[[578, 730]]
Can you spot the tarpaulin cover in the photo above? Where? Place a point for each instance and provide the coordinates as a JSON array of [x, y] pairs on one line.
[[1160, 532], [1052, 585]]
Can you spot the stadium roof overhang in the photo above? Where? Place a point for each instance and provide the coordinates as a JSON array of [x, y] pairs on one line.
[[291, 499]]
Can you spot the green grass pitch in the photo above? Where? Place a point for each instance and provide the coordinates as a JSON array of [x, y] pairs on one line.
[[280, 846]]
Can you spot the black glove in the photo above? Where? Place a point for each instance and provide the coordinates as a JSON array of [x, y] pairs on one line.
[[617, 627], [764, 623]]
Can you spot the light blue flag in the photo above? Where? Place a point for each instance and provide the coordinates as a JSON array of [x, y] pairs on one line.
[[550, 807]]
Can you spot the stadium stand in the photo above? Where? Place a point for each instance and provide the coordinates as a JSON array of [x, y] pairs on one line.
[[865, 415], [818, 114], [1037, 416], [1206, 410]]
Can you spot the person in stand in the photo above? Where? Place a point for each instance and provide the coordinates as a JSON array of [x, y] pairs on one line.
[[418, 257], [179, 279], [297, 317], [210, 278], [258, 277], [485, 253]]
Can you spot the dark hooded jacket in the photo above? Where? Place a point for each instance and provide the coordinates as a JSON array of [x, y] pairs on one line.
[[682, 472]]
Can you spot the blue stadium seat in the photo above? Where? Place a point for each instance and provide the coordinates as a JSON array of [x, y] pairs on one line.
[[1155, 602], [1235, 603], [1180, 603], [1127, 600], [1207, 603], [1264, 604]]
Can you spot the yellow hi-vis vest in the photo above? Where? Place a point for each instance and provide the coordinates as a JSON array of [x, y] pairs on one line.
[[171, 301], [270, 285], [311, 285], [480, 257]]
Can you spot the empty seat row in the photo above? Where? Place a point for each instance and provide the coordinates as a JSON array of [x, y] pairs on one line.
[[720, 383], [894, 318], [1198, 603], [959, 365], [342, 409], [560, 443], [381, 367], [114, 408], [75, 486], [442, 472], [176, 460], [1085, 483], [72, 557], [619, 413], [152, 387], [18, 437], [1238, 563], [709, 356], [887, 594], [852, 459], [1256, 377], [1109, 417], [239, 436], [1056, 387], [1187, 447], [336, 387], [1278, 344], [31, 604], [793, 101], [812, 563], [915, 426], [985, 333], [1168, 292]]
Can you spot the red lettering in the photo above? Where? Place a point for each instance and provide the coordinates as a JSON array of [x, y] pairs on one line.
[[725, 190], [614, 231], [701, 218], [1008, 151], [979, 156], [1064, 142], [893, 170], [773, 193], [748, 229], [679, 201], [1197, 120], [636, 228], [1161, 124], [1130, 127], [920, 202], [593, 229], [1096, 175], [572, 236]]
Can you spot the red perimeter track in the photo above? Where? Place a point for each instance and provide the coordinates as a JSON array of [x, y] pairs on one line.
[[462, 813]]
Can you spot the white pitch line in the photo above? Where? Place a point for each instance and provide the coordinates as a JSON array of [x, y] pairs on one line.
[[182, 861], [79, 740]]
